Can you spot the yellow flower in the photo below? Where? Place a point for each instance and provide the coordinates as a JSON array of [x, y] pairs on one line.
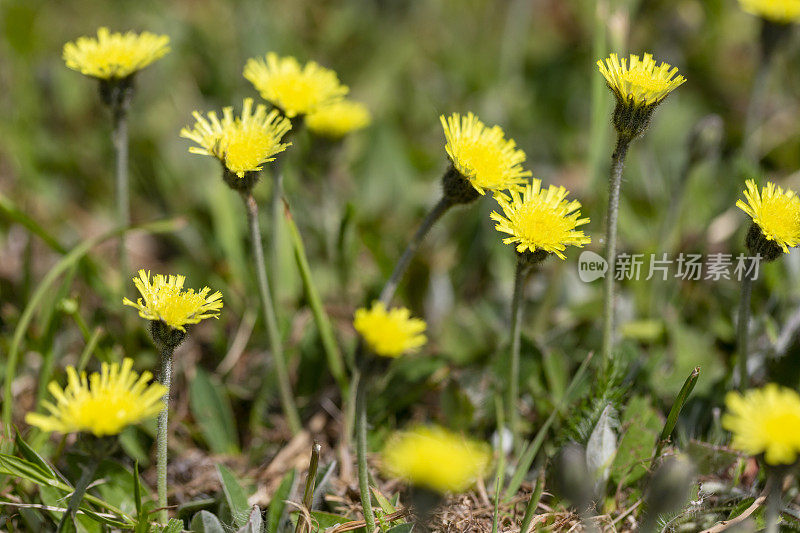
[[389, 333], [483, 155], [105, 403], [775, 211], [243, 144], [166, 300], [767, 421], [639, 83], [338, 119], [780, 11], [436, 459], [113, 56], [294, 89], [540, 219]]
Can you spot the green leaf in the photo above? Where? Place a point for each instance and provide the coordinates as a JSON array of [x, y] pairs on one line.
[[14, 466], [142, 524], [234, 495], [31, 455], [401, 528], [212, 410], [254, 523], [205, 522], [278, 504], [640, 425], [173, 526]]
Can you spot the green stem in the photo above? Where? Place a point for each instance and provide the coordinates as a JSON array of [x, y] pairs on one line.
[[400, 268], [120, 139], [743, 329], [774, 504], [512, 399], [281, 369], [361, 453], [615, 179], [77, 495], [533, 504], [276, 209], [163, 434]]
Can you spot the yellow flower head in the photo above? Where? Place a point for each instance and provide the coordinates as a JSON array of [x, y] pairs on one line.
[[114, 56], [780, 11], [105, 403], [436, 459], [243, 144], [336, 120], [640, 82], [775, 211], [294, 89], [540, 219], [166, 300], [389, 333], [483, 155], [767, 421]]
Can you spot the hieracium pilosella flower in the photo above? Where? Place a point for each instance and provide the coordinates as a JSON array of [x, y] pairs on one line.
[[242, 144], [389, 332], [482, 159], [103, 403], [334, 121], [639, 85], [114, 59], [776, 220], [777, 11], [540, 221], [294, 89], [765, 421], [436, 459], [170, 308]]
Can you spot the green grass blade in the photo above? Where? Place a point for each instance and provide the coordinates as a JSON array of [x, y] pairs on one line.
[[675, 411]]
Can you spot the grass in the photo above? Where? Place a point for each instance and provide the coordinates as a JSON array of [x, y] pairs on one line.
[[354, 208]]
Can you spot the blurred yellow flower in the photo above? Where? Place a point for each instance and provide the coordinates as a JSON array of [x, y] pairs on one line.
[[436, 459], [540, 219], [483, 155], [243, 144], [114, 55], [292, 88], [166, 300], [767, 421], [780, 11], [389, 333], [104, 404], [338, 119], [775, 211], [640, 82]]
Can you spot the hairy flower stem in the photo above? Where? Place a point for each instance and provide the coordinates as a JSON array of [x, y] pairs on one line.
[[774, 504], [615, 179], [361, 452], [400, 268], [513, 377], [77, 495], [281, 369], [120, 139], [163, 434], [743, 329]]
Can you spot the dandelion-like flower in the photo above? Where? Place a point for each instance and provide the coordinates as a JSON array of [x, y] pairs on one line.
[[294, 89], [483, 155], [436, 459], [164, 299], [336, 120], [767, 421], [243, 144], [639, 82], [540, 219], [776, 213], [779, 11], [104, 404], [389, 333], [114, 56]]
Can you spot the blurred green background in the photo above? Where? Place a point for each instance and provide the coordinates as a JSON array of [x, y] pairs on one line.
[[528, 65]]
